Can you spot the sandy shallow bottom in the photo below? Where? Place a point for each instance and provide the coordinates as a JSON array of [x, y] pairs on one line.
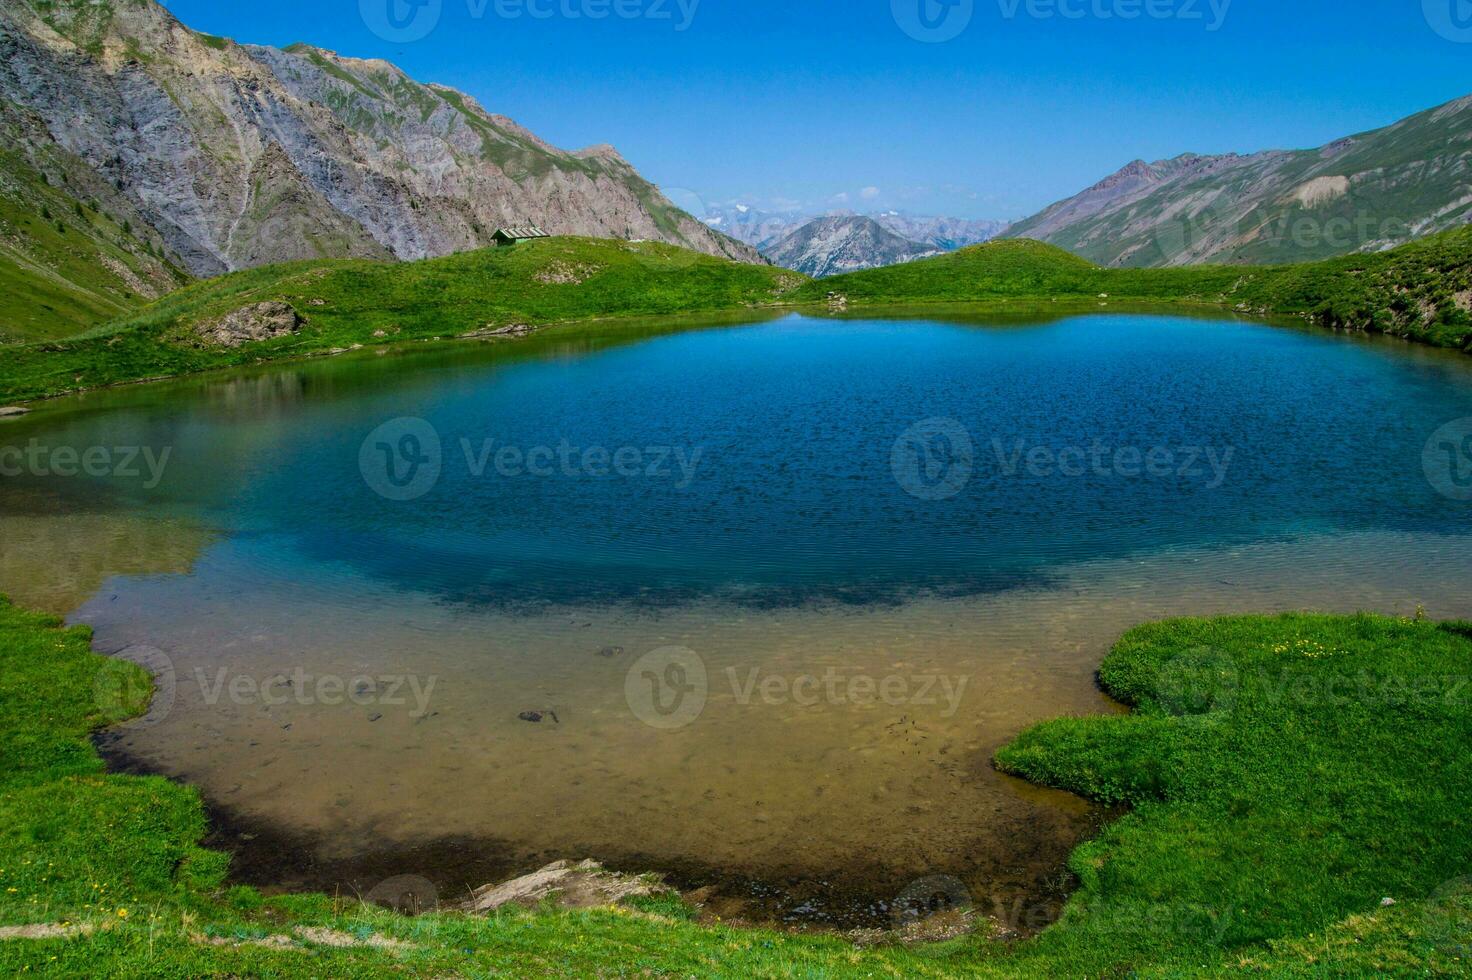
[[839, 756]]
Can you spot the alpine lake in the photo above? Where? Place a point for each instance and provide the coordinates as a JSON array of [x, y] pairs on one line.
[[748, 604]]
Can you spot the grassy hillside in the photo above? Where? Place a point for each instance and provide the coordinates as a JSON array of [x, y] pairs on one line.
[[348, 303], [1286, 774], [73, 252], [1020, 270], [1421, 291]]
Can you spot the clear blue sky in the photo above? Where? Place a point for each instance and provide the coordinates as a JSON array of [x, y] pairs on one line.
[[766, 101]]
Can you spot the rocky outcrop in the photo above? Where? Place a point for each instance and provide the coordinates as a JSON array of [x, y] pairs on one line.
[[261, 321], [573, 886], [285, 218], [512, 331], [240, 155]]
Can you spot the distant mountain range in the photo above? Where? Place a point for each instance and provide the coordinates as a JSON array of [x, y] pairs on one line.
[[947, 234], [136, 154], [844, 243], [753, 226], [220, 156], [1365, 193], [765, 228]]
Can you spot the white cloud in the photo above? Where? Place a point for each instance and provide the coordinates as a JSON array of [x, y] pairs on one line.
[[869, 193]]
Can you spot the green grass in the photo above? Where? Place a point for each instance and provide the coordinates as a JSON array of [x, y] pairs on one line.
[[1284, 775]]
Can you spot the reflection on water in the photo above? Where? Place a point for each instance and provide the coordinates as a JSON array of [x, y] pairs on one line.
[[780, 670], [54, 559]]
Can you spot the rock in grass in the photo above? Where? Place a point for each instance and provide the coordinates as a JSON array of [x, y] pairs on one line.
[[261, 321], [572, 886]]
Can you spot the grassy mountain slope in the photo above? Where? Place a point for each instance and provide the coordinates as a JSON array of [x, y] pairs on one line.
[[351, 302], [73, 251], [1365, 193], [1264, 847]]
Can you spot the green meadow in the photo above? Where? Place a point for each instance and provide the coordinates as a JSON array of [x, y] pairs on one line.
[[1296, 793]]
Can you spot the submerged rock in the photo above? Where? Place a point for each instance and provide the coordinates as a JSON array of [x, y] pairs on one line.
[[261, 321], [572, 886], [13, 411]]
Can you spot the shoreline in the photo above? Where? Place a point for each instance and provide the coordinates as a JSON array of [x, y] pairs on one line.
[[279, 861], [344, 307], [1042, 309]]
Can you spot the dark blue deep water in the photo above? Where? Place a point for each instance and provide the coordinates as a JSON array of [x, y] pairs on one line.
[[801, 459]]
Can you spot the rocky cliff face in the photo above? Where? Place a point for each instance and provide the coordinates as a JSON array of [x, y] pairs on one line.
[[238, 155], [1361, 194], [844, 243], [73, 250]]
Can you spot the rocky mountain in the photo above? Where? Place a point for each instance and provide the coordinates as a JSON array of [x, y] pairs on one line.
[[948, 234], [73, 250], [844, 243], [225, 156], [1365, 193]]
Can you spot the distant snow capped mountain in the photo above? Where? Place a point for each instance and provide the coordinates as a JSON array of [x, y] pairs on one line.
[[768, 231], [944, 233], [751, 225], [844, 243]]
